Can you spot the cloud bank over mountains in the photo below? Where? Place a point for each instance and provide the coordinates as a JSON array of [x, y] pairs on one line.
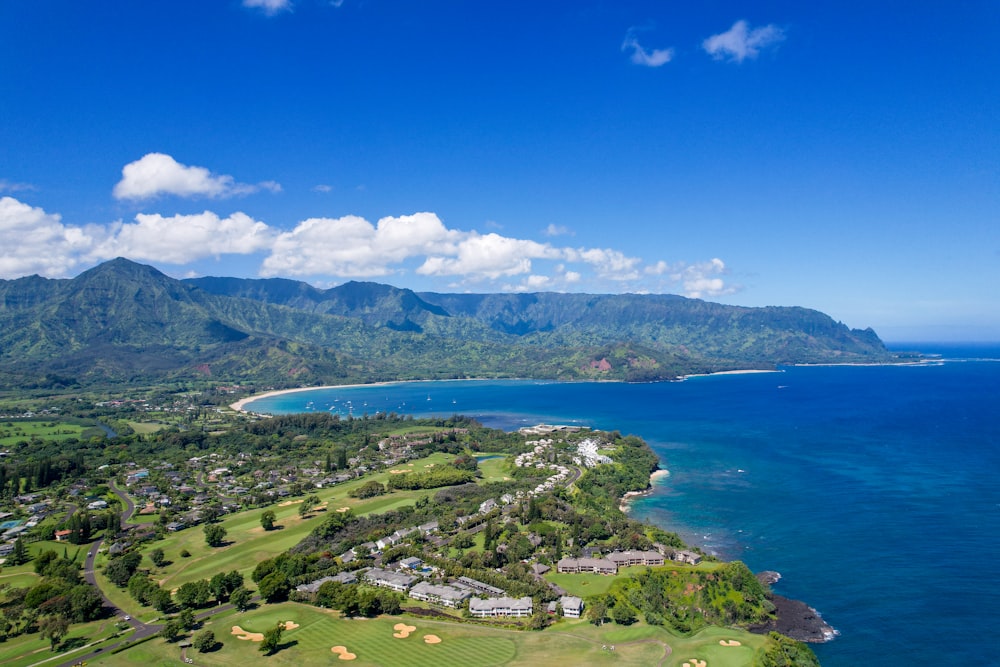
[[326, 250]]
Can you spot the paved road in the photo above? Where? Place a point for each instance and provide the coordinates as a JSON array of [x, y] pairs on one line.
[[142, 630]]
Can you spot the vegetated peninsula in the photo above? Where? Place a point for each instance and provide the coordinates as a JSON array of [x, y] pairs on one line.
[[437, 528], [123, 322]]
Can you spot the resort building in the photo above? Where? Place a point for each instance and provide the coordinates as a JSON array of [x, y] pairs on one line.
[[594, 565], [313, 586], [443, 594], [689, 557], [492, 607], [572, 606], [480, 587], [397, 581], [627, 558]]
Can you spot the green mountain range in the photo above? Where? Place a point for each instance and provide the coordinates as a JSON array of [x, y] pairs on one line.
[[126, 322]]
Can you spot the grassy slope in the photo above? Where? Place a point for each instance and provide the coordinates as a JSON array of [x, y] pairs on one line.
[[566, 643]]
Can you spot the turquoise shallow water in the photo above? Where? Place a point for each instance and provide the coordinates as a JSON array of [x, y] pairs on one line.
[[873, 490]]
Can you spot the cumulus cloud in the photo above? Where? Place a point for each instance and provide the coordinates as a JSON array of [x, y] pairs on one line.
[[38, 242], [157, 174], [271, 7], [327, 249], [740, 42], [704, 279], [184, 238], [640, 56], [352, 246], [488, 256], [322, 188]]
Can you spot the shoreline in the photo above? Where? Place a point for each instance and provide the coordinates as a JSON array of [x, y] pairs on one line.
[[240, 405], [625, 504]]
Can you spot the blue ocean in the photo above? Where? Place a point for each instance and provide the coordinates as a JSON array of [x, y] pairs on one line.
[[873, 490]]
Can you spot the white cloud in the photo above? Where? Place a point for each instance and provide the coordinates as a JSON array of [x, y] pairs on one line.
[[327, 249], [488, 256], [157, 174], [38, 242], [271, 7], [352, 246], [609, 263], [739, 42], [322, 188], [184, 238], [557, 230], [11, 186], [703, 279], [641, 56]]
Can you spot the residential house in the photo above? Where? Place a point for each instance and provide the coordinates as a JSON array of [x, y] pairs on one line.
[[397, 581]]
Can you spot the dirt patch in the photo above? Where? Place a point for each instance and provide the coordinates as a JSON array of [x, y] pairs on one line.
[[240, 633], [402, 630], [342, 652], [432, 639]]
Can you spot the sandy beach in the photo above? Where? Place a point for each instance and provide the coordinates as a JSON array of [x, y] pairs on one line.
[[745, 371], [624, 505], [239, 405]]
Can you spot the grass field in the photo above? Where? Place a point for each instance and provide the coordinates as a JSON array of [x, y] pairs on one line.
[[246, 541], [12, 432], [462, 645], [145, 428]]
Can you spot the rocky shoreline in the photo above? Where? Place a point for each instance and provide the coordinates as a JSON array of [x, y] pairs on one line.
[[794, 618]]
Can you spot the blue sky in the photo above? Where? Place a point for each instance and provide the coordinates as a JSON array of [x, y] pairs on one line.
[[839, 156]]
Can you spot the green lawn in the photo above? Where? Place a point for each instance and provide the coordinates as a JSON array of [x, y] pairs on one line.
[[248, 543], [12, 432], [145, 428], [32, 649], [568, 642]]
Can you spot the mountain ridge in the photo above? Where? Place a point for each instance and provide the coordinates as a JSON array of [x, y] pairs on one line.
[[122, 321]]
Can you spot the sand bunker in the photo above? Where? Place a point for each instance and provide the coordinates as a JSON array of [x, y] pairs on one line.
[[343, 653], [432, 639], [247, 636], [343, 509], [289, 502], [695, 663], [398, 472], [430, 465], [728, 642], [291, 625], [402, 630]]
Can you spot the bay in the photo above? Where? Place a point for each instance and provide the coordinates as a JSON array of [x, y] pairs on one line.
[[873, 490]]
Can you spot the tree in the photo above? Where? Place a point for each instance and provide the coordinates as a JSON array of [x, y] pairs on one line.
[[194, 593], [623, 614], [186, 619], [272, 638], [158, 557], [204, 641], [215, 535], [171, 630], [121, 568], [240, 598], [597, 611], [274, 587], [267, 519], [308, 504], [20, 554], [53, 628]]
